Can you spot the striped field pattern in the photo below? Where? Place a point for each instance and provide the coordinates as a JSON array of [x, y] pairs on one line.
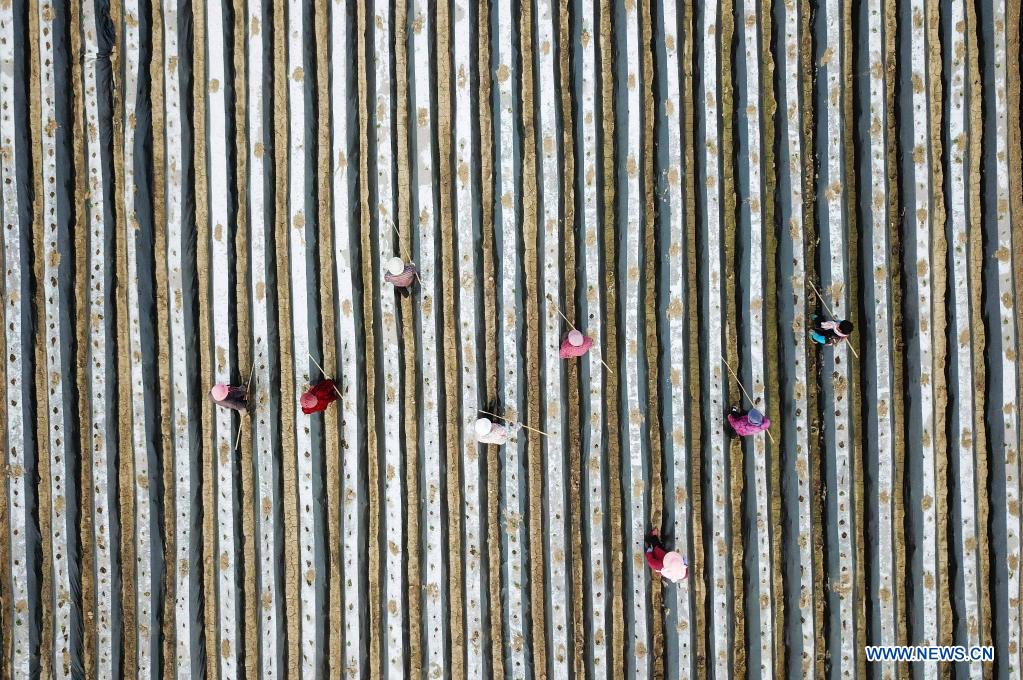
[[202, 191]]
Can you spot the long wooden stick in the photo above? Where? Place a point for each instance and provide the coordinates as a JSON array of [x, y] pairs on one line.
[[737, 380], [551, 300], [325, 374], [509, 420], [248, 384], [823, 301], [768, 431], [832, 315]]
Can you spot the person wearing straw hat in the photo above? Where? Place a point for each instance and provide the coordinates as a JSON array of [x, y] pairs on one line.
[[749, 423], [575, 345], [230, 396], [489, 432], [668, 564], [401, 275], [319, 396], [830, 332]]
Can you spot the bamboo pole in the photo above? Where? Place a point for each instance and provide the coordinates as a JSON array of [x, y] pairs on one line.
[[768, 431], [831, 314], [248, 385]]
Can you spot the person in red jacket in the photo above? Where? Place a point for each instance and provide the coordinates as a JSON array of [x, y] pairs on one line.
[[319, 396], [668, 564]]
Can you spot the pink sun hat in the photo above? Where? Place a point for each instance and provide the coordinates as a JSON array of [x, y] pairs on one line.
[[307, 400], [219, 392], [674, 568], [575, 338]]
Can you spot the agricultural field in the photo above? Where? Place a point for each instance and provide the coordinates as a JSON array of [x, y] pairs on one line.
[[209, 191]]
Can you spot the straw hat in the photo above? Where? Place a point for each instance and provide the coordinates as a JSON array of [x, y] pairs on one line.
[[395, 266], [482, 426], [674, 568], [219, 392], [575, 338]]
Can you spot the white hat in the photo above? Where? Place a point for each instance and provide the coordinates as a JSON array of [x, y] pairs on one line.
[[395, 266], [674, 567], [482, 426], [575, 338]]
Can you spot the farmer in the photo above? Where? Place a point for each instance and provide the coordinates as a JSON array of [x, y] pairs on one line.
[[668, 564], [489, 432], [319, 396], [229, 396], [747, 423], [830, 332], [575, 345], [401, 275]]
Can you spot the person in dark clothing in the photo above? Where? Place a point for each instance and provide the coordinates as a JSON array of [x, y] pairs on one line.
[[830, 332], [230, 396]]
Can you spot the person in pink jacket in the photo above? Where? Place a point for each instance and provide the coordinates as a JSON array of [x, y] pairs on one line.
[[575, 345], [489, 432], [401, 275], [749, 423]]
